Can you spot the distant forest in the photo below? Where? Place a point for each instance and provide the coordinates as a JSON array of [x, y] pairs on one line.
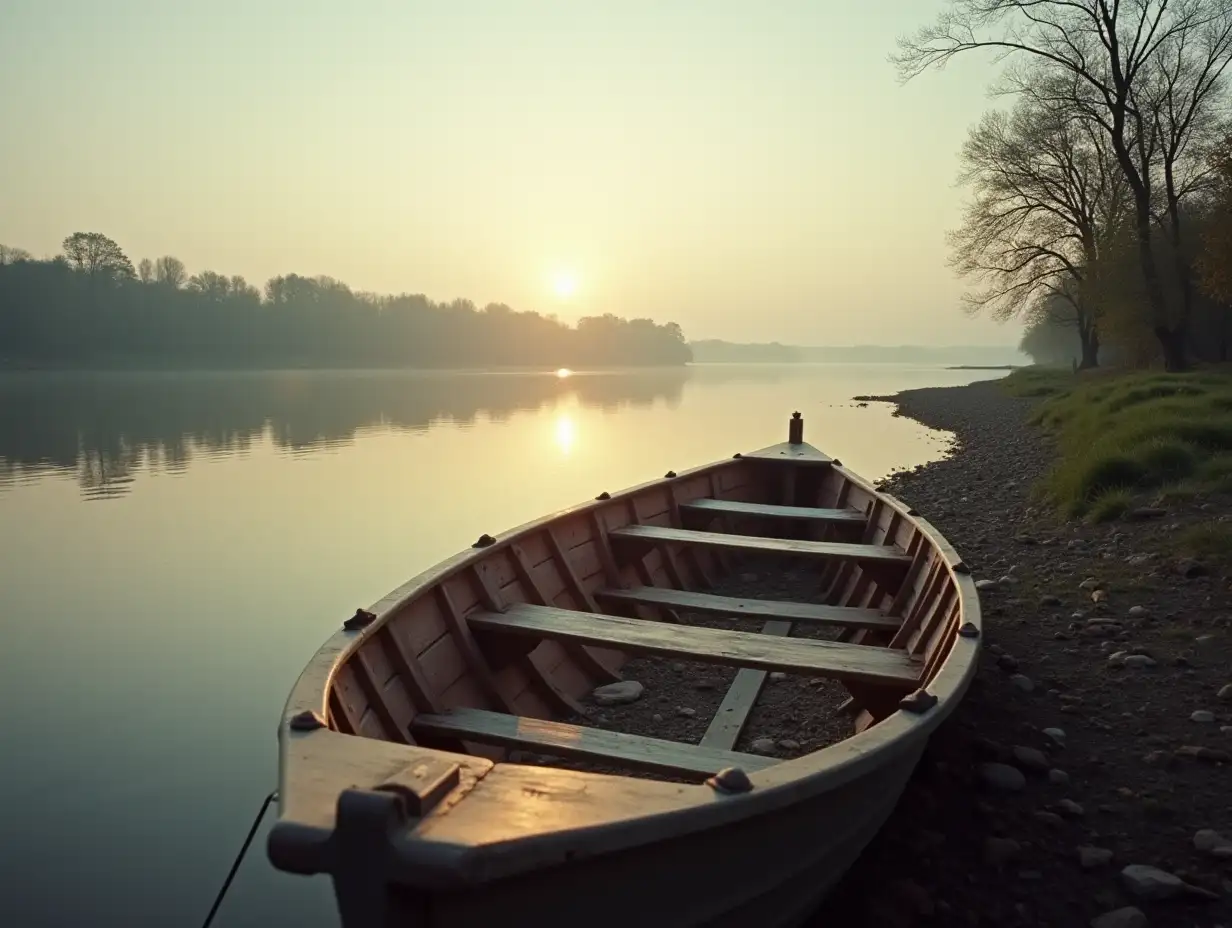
[[721, 352], [90, 307]]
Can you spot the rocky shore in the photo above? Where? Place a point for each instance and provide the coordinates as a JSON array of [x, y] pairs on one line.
[[1087, 777]]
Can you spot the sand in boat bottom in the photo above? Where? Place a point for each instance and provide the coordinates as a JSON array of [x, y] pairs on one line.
[[799, 714]]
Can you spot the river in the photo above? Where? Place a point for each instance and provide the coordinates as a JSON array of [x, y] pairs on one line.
[[174, 547]]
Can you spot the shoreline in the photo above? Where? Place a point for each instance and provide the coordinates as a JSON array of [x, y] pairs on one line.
[[1120, 761]]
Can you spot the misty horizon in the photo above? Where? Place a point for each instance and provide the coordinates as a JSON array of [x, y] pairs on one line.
[[736, 171], [91, 306]]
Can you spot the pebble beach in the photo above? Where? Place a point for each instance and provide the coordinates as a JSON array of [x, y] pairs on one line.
[[1085, 779]]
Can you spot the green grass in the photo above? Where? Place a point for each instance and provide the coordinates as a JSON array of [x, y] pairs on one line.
[[1038, 381], [1109, 505], [1208, 541], [1125, 434]]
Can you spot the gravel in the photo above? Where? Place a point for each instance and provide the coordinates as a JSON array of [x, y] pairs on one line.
[[1140, 779]]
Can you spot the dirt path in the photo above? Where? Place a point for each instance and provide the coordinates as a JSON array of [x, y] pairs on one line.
[[1104, 685]]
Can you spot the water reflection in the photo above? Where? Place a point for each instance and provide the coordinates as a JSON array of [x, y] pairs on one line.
[[107, 428], [225, 577], [566, 433]]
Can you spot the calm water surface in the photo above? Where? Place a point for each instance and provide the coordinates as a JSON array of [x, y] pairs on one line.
[[173, 549]]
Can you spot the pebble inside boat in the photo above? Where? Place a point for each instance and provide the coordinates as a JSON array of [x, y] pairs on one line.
[[404, 768]]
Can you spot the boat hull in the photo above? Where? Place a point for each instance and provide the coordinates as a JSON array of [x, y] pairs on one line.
[[396, 777], [772, 870]]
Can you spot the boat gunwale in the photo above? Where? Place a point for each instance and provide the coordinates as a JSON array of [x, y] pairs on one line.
[[437, 864], [329, 658]]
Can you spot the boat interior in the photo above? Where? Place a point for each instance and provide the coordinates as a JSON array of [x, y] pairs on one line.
[[499, 649]]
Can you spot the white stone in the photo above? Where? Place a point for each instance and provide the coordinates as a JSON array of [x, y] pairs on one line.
[[1090, 857], [1056, 734], [1210, 841], [618, 693], [1151, 883], [1128, 917], [1202, 716], [1022, 682], [1071, 808], [1138, 660], [762, 746], [1002, 776], [1031, 758]]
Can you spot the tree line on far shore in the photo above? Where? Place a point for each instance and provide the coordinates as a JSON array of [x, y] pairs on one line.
[[90, 306], [1101, 198]]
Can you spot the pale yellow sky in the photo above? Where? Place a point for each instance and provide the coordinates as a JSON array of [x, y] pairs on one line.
[[751, 170]]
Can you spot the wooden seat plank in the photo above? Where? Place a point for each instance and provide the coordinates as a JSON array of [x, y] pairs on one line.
[[858, 553], [765, 510], [651, 754], [709, 645], [689, 601]]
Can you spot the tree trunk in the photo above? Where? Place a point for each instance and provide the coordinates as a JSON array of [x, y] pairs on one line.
[[1184, 279], [1090, 349], [1172, 342], [1171, 338]]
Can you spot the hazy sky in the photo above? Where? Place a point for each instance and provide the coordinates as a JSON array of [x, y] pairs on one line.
[[751, 170]]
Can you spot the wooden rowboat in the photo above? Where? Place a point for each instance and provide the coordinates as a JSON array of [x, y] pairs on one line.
[[402, 767]]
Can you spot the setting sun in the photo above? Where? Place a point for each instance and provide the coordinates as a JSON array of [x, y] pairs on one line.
[[565, 284]]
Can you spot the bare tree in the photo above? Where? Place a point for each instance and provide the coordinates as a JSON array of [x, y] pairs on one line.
[[1215, 263], [11, 255], [1048, 198], [145, 270], [170, 271], [1111, 51], [211, 285], [95, 254], [1181, 110], [241, 288]]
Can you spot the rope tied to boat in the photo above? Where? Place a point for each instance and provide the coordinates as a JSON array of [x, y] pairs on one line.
[[239, 858]]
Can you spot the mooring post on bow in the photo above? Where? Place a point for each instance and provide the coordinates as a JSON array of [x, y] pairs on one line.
[[795, 430]]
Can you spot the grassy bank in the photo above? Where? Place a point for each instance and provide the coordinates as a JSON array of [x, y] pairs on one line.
[[1125, 439]]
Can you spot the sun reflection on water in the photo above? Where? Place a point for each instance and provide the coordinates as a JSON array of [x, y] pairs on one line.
[[566, 434]]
